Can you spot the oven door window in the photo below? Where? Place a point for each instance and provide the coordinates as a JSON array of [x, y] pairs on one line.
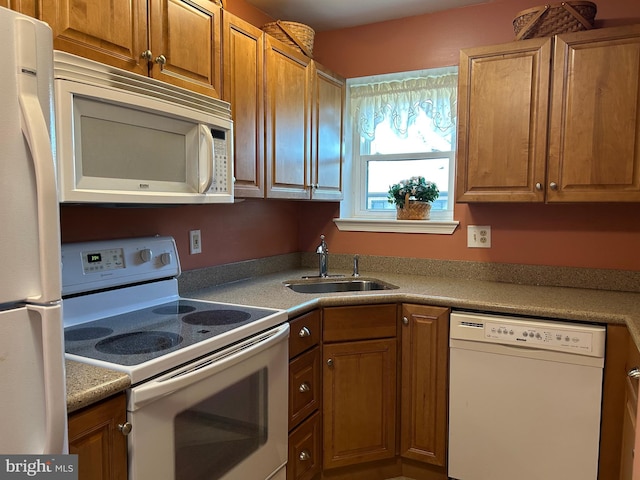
[[221, 431]]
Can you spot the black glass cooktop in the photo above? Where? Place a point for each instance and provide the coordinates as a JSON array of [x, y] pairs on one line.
[[142, 335]]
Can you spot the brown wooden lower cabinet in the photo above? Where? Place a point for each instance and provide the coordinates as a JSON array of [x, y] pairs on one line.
[[629, 427], [305, 398], [305, 450], [359, 381], [95, 437], [423, 387]]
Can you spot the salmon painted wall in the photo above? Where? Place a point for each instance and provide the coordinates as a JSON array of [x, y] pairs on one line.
[[597, 235]]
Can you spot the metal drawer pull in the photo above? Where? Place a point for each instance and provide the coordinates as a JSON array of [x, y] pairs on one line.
[[125, 428], [405, 320], [304, 332], [161, 60], [304, 455], [330, 362], [304, 387], [634, 372]]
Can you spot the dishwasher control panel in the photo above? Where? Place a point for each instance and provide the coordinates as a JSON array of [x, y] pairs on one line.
[[538, 335], [529, 332]]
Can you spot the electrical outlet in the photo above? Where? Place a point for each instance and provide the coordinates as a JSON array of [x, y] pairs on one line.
[[479, 236], [195, 242]]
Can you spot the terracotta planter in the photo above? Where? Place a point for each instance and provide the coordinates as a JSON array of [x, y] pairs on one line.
[[413, 210]]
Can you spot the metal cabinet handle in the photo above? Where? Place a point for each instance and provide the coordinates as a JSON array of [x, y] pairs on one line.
[[304, 455], [304, 332], [125, 428], [304, 387], [634, 372], [539, 186], [405, 320], [330, 362], [553, 186], [147, 55], [161, 60]]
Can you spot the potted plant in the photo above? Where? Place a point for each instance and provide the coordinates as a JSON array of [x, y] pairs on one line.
[[413, 198]]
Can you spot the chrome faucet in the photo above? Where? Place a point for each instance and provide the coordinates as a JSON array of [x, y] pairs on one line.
[[323, 257], [355, 273]]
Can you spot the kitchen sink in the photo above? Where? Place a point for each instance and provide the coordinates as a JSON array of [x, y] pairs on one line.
[[343, 285]]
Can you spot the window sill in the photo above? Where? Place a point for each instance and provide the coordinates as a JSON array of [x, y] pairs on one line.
[[440, 227]]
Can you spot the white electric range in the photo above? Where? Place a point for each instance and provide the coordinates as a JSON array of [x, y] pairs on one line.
[[209, 379]]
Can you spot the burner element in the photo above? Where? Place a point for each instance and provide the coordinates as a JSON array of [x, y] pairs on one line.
[[175, 309], [138, 342], [86, 333], [216, 317]]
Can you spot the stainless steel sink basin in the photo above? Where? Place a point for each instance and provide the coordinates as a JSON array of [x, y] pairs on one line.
[[342, 285]]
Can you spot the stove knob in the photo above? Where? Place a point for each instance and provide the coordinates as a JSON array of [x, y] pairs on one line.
[[165, 258], [145, 255]]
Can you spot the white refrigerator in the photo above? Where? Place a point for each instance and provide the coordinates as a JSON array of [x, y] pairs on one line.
[[32, 378]]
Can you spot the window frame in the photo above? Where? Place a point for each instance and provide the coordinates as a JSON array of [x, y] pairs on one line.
[[354, 216]]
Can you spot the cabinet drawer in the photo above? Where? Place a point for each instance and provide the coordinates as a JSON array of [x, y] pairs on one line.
[[359, 322], [305, 333], [304, 386], [305, 450]]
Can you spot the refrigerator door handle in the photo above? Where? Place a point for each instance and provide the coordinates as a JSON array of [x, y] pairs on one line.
[[36, 133], [54, 379]]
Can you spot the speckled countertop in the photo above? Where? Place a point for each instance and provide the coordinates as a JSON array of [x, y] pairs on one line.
[[589, 305], [86, 385]]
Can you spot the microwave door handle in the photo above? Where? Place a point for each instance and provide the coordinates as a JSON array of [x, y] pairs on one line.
[[207, 159], [36, 133], [151, 391]]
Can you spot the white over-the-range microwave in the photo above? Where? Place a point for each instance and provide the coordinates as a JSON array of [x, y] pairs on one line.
[[122, 138]]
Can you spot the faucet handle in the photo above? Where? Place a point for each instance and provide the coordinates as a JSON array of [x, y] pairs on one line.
[[355, 266], [322, 248]]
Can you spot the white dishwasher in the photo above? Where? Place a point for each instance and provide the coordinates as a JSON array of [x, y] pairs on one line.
[[524, 398]]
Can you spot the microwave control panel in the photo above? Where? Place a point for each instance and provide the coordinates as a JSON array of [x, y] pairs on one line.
[[221, 173]]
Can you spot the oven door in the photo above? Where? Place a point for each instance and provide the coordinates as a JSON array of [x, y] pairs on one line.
[[221, 417]]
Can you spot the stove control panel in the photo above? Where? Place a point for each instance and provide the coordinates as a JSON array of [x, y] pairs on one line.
[[90, 266]]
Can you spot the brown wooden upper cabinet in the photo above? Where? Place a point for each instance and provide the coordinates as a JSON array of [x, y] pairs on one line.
[[551, 119], [177, 41], [304, 111], [28, 7], [244, 90]]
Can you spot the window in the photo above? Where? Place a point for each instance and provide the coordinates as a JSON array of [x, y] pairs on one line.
[[400, 125]]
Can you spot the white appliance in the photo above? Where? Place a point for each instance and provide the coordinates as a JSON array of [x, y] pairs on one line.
[[209, 379], [524, 398], [33, 401], [123, 138]]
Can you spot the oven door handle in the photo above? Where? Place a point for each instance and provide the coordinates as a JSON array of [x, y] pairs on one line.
[[206, 367]]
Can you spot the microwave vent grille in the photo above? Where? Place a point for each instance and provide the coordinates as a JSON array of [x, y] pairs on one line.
[[78, 69]]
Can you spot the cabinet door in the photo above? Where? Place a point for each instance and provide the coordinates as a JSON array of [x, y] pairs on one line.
[[359, 384], [113, 32], [595, 123], [185, 44], [503, 95], [243, 89], [28, 7], [287, 121], [95, 437], [327, 131], [423, 412], [629, 425]]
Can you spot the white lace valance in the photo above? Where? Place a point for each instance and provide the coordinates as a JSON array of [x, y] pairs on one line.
[[401, 102]]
